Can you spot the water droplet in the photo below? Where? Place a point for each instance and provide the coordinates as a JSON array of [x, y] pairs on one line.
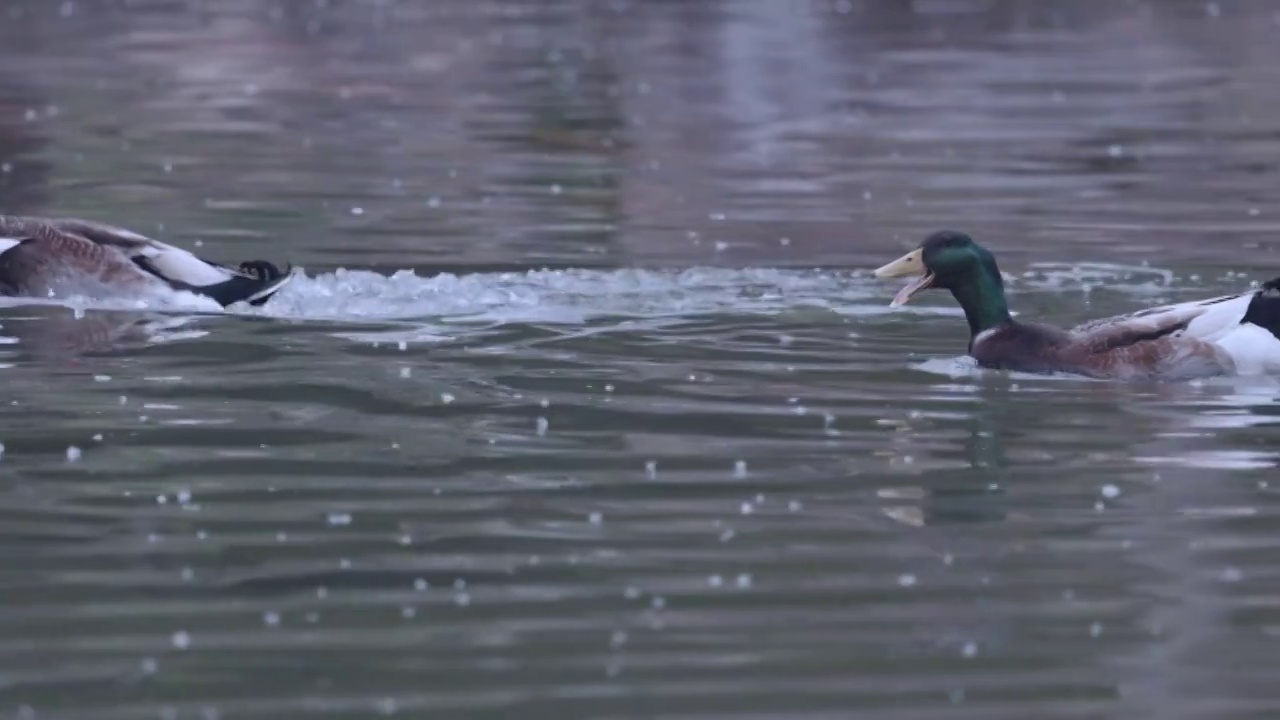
[[907, 580], [338, 519], [1095, 630], [1232, 575], [540, 425], [271, 619], [446, 398], [969, 649], [740, 469], [73, 453], [650, 468], [181, 640], [421, 585], [744, 581], [1110, 491], [715, 581], [595, 518]]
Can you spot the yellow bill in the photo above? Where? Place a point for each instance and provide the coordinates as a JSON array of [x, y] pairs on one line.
[[910, 264]]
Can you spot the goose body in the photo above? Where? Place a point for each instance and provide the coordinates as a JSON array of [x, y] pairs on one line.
[[1228, 335], [63, 257]]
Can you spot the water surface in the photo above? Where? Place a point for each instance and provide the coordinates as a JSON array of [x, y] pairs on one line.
[[587, 404]]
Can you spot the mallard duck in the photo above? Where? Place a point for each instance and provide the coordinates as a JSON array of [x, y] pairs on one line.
[[1229, 335], [42, 257]]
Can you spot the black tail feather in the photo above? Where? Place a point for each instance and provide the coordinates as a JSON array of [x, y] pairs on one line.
[[1264, 309], [255, 283]]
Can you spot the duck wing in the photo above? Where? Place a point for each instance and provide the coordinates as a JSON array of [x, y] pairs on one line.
[[100, 248], [1241, 332]]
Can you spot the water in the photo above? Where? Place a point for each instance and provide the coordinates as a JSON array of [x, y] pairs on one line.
[[587, 404]]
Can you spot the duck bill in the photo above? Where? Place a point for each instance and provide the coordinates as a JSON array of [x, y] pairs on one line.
[[910, 264]]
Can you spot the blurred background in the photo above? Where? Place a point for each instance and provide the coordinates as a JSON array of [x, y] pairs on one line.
[[587, 405]]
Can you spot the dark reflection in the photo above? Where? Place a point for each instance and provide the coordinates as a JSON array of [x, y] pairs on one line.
[[50, 332]]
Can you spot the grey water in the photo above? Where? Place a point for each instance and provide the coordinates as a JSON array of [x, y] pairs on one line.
[[587, 405]]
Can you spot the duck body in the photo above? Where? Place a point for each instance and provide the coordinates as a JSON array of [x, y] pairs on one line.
[[42, 257], [1228, 335]]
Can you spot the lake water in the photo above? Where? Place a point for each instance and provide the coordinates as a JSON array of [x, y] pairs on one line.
[[587, 405]]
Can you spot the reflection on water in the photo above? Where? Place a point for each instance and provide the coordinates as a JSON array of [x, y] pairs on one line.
[[587, 405]]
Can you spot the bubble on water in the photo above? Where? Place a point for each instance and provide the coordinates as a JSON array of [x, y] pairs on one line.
[[357, 211], [1095, 629], [406, 372], [338, 519], [1231, 575], [271, 619], [650, 467], [421, 584], [387, 706], [784, 241], [556, 189], [969, 649], [727, 535], [631, 592], [795, 506], [658, 602], [1115, 151], [183, 497], [744, 581], [102, 378], [188, 574], [181, 640], [906, 580], [618, 638], [715, 581], [541, 425], [746, 508], [595, 518], [446, 398], [73, 453], [740, 469], [459, 583], [408, 612], [149, 666], [1110, 491], [462, 599], [97, 437]]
